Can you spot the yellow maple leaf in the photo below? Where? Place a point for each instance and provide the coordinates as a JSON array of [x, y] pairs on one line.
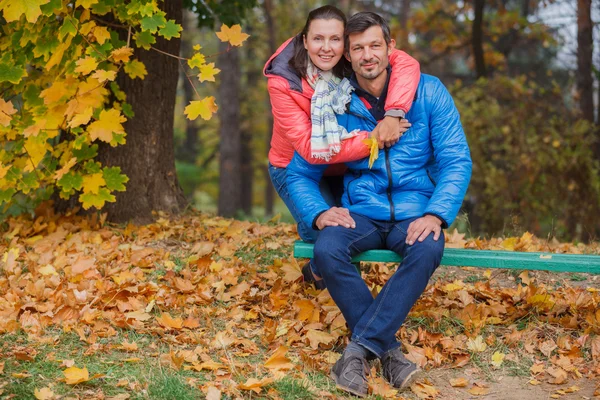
[[374, 149], [44, 394], [477, 345], [278, 360], [6, 110], [48, 270], [101, 34], [81, 118], [36, 150], [93, 182], [136, 69], [122, 54], [103, 75], [13, 9], [86, 3], [109, 122], [66, 168], [254, 384], [498, 359], [208, 72], [54, 93], [204, 108], [4, 170], [233, 35], [169, 322], [75, 375], [86, 65]]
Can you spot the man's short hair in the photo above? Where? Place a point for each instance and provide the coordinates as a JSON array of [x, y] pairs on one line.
[[360, 22]]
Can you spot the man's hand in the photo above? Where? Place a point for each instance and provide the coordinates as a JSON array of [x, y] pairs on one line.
[[335, 216], [420, 228], [390, 130]]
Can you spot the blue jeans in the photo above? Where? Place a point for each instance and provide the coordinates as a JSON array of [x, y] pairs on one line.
[[374, 322], [331, 188]]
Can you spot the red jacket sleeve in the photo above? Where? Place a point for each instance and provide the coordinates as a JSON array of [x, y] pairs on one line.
[[406, 74], [290, 119]]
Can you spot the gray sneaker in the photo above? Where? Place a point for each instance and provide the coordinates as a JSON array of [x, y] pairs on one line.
[[397, 370], [350, 374]]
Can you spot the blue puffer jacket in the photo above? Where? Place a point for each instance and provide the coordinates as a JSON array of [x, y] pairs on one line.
[[426, 172]]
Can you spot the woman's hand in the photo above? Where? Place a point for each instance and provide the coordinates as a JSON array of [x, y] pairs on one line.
[[390, 130]]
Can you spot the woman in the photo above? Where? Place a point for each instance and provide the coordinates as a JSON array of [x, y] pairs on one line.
[[293, 72]]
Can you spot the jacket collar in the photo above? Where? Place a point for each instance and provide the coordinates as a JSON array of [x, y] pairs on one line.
[[278, 65]]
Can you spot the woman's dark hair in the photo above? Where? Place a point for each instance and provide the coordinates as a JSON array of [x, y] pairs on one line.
[[299, 61]]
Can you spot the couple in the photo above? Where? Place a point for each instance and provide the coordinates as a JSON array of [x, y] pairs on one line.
[[401, 203]]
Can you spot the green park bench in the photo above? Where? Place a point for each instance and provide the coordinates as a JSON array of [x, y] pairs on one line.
[[484, 259]]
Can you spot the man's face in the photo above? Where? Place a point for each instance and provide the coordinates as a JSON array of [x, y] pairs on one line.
[[368, 52]]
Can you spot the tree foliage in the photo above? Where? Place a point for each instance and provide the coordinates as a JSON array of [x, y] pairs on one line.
[[60, 98]]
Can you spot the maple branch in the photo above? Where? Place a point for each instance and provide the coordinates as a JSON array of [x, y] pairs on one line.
[[128, 36], [168, 54], [189, 79], [110, 23]]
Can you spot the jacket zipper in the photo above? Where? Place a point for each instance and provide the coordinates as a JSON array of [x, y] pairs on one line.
[[390, 182], [348, 187]]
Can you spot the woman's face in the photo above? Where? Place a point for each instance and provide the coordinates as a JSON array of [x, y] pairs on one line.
[[325, 42]]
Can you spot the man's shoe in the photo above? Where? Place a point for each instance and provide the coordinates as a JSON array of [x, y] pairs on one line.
[[397, 370], [309, 277], [350, 374]]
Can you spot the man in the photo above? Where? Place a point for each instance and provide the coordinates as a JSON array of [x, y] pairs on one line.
[[402, 203]]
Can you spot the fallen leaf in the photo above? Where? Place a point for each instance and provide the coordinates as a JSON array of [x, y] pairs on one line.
[[76, 375], [316, 338], [278, 360], [213, 393], [560, 376], [459, 382], [479, 391], [424, 390], [167, 321], [476, 345], [44, 394], [255, 385], [498, 359]]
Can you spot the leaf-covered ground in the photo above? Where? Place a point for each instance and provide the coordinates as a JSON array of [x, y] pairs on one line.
[[204, 307]]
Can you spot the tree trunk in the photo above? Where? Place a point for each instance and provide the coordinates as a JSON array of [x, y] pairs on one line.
[[403, 14], [189, 148], [585, 82], [269, 190], [230, 175], [148, 157], [477, 39]]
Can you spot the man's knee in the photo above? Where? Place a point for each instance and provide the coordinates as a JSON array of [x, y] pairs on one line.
[[430, 250], [329, 243]]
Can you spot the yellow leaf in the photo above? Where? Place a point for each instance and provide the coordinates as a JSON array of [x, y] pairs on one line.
[[204, 108], [101, 34], [479, 391], [44, 394], [6, 110], [233, 35], [13, 9], [81, 118], [306, 309], [86, 3], [509, 243], [103, 75], [136, 69], [86, 65], [75, 375], [459, 382], [36, 150], [93, 182], [374, 149], [4, 170], [109, 122], [208, 72], [122, 54], [477, 345], [424, 390], [47, 270], [278, 360], [20, 375], [498, 359]]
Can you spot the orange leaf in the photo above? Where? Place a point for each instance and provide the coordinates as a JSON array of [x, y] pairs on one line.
[[479, 391], [316, 338], [278, 360], [76, 375], [459, 382], [6, 110], [167, 321], [254, 384], [44, 394], [424, 390]]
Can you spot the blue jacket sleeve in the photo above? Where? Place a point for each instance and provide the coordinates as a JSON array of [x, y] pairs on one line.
[[302, 180], [452, 156]]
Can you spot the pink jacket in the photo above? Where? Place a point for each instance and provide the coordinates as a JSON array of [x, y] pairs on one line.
[[290, 103]]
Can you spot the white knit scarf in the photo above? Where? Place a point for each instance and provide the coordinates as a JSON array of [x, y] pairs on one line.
[[330, 98]]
